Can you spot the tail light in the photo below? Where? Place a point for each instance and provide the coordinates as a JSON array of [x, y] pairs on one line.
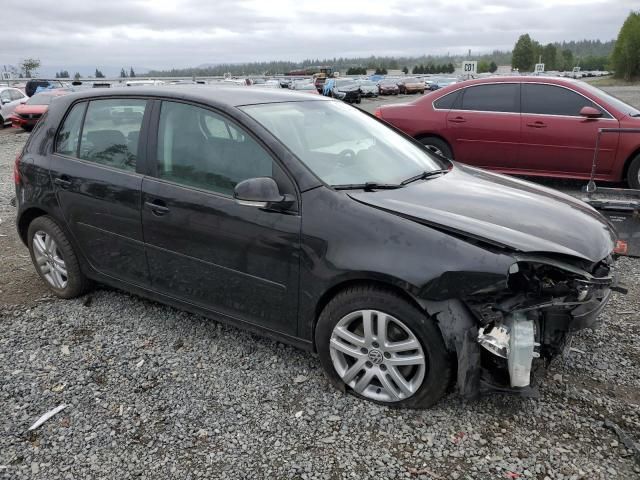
[[378, 112], [621, 247], [16, 170]]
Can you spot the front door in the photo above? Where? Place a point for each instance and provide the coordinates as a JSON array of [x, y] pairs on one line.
[[485, 125], [95, 170], [556, 139], [202, 246]]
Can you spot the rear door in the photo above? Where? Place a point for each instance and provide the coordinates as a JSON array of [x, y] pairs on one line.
[[556, 139], [484, 125], [202, 246], [96, 169]]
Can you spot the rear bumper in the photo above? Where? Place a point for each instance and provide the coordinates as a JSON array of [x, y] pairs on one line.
[[19, 122]]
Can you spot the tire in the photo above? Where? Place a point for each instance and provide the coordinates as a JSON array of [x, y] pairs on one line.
[[429, 381], [633, 174], [437, 146], [71, 285]]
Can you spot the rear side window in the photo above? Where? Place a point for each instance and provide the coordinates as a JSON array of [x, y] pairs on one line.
[[553, 100], [69, 134], [199, 148], [447, 102], [498, 97], [111, 132]]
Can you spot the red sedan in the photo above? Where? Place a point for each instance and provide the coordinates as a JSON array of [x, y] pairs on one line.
[[526, 126], [26, 115]]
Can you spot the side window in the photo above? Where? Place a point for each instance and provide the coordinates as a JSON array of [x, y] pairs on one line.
[[552, 100], [69, 134], [448, 101], [111, 132], [200, 148], [497, 97], [16, 95], [5, 96]]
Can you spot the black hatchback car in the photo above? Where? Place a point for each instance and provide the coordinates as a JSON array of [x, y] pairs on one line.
[[310, 221]]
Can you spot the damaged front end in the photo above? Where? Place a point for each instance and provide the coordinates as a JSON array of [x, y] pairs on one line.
[[497, 332]]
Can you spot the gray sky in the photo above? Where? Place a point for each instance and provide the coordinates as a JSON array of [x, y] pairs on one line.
[[182, 33]]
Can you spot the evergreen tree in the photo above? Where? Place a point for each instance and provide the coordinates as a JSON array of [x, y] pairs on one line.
[[626, 53], [549, 57], [131, 72], [523, 52]]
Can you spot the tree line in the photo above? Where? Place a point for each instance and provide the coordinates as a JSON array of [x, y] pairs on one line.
[[621, 55]]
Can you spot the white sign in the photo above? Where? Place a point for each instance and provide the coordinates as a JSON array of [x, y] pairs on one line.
[[576, 70], [7, 76], [539, 68], [469, 67]]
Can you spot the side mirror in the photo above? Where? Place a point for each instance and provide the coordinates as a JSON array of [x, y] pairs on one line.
[[590, 112], [260, 192]]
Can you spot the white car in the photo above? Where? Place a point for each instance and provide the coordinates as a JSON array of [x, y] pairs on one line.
[[10, 98]]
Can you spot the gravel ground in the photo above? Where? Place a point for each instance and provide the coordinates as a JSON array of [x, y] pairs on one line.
[[152, 392]]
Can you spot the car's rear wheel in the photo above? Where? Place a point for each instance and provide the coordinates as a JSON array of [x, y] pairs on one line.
[[381, 348], [633, 174], [27, 128], [54, 258], [437, 146]]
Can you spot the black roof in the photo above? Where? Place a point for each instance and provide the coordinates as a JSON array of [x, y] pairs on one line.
[[223, 95]]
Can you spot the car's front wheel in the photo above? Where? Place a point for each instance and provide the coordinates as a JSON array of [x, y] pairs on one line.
[[380, 347], [633, 174], [54, 258]]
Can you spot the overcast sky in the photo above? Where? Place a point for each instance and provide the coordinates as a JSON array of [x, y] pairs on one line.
[[182, 33]]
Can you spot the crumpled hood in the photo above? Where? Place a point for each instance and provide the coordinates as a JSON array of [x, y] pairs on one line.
[[501, 210]]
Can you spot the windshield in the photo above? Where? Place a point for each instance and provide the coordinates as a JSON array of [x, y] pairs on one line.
[[342, 145], [611, 100]]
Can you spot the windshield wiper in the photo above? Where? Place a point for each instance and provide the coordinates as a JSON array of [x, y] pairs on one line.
[[367, 187], [423, 176]]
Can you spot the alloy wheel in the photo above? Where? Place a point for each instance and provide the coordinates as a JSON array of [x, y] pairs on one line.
[[377, 355], [49, 260]]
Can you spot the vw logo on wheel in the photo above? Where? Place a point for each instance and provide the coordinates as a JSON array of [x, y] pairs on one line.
[[375, 356]]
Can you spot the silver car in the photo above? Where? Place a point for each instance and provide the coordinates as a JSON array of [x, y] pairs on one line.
[[10, 98]]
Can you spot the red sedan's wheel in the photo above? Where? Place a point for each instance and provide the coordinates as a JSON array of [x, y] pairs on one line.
[[633, 174]]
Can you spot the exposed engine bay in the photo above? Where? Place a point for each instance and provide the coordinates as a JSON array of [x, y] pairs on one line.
[[498, 332]]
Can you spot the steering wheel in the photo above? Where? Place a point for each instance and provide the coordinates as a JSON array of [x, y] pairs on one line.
[[345, 157]]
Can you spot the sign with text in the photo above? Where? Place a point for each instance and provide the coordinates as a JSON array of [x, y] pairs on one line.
[[469, 67], [539, 68]]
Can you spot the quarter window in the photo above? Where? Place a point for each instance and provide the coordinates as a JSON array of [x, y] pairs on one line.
[[5, 96], [111, 132], [447, 102], [497, 97], [200, 148], [553, 100], [69, 134]]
